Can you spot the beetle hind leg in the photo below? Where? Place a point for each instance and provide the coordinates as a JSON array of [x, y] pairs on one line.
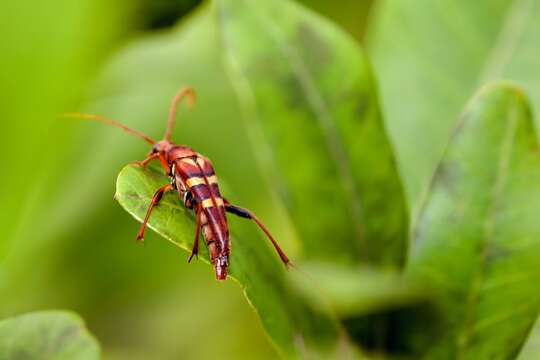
[[247, 214]]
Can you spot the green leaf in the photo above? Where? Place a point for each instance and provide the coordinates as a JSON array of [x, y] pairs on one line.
[[531, 349], [431, 56], [477, 240], [47, 335], [383, 311], [309, 102], [354, 291], [293, 326]]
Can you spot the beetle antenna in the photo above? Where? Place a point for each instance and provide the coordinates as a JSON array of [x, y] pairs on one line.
[[187, 92], [114, 123]]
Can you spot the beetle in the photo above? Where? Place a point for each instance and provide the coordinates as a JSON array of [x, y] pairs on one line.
[[193, 177]]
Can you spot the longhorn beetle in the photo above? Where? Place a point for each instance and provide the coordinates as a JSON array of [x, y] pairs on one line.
[[192, 176]]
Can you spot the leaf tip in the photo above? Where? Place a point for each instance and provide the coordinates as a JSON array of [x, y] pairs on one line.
[[503, 88]]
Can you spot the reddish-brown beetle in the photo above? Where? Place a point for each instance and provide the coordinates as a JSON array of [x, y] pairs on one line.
[[192, 176]]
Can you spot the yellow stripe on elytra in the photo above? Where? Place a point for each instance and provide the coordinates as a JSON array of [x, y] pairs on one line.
[[197, 180], [206, 203], [189, 161]]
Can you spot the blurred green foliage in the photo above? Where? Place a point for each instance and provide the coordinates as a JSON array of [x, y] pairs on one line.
[[360, 290], [47, 335], [66, 244]]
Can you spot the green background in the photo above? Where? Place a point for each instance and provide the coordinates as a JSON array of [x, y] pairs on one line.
[[65, 243], [449, 89]]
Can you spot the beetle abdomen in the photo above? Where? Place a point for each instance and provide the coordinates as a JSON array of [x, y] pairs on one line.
[[200, 179]]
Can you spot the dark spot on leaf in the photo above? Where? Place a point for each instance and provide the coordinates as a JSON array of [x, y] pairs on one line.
[[313, 49], [361, 100], [362, 106], [287, 81], [21, 354], [421, 232], [495, 252], [447, 176], [294, 94], [64, 338]]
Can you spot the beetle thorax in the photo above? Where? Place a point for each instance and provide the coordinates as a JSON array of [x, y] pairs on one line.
[[178, 152]]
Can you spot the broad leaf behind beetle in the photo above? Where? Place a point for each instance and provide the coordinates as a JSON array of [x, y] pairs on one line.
[[477, 241], [308, 98], [431, 56]]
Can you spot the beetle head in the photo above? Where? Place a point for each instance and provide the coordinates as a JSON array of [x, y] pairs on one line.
[[220, 265], [162, 146]]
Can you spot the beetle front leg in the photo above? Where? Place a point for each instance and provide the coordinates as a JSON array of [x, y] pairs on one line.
[[245, 213], [154, 156], [146, 161], [155, 200]]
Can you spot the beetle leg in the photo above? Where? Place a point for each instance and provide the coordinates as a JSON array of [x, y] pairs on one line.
[[153, 156], [155, 200], [195, 250], [245, 213], [188, 200], [164, 163], [147, 160]]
